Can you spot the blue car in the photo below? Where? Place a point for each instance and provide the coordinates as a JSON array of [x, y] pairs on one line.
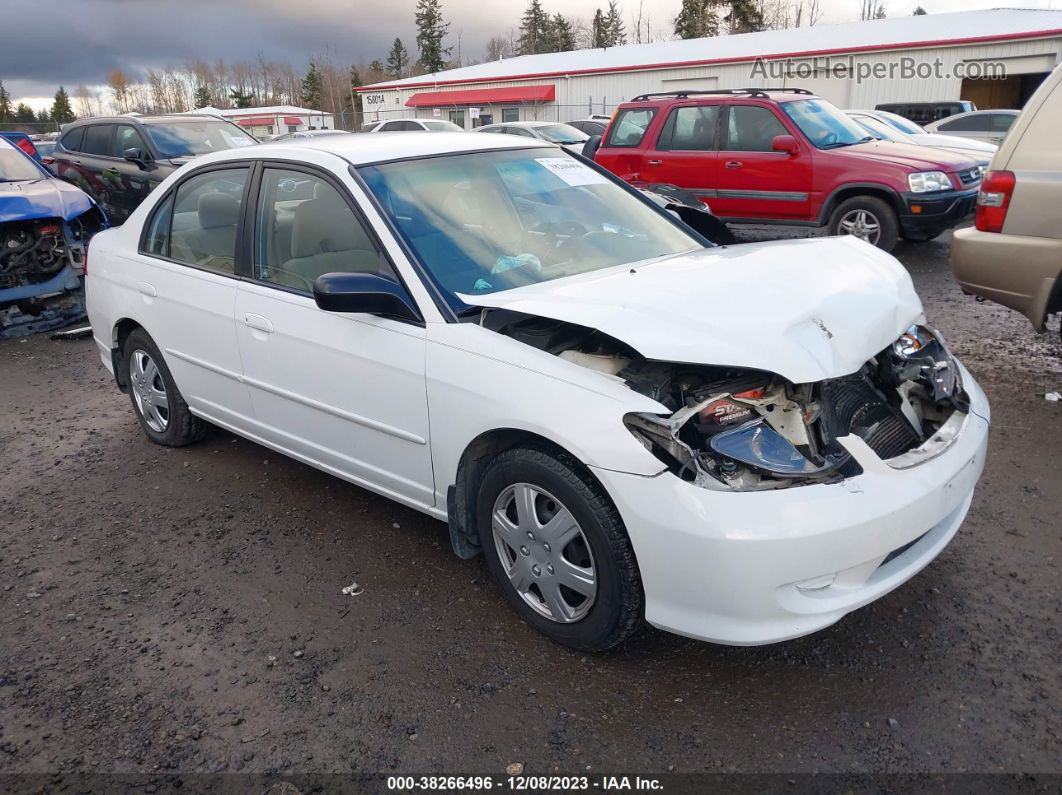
[[45, 227]]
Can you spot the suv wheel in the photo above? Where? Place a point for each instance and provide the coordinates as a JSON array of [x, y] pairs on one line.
[[867, 218], [158, 404], [557, 547]]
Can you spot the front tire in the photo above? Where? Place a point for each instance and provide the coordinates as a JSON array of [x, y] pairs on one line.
[[157, 402], [868, 218], [558, 549]]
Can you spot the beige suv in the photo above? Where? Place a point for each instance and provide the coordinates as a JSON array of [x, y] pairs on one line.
[[1013, 255]]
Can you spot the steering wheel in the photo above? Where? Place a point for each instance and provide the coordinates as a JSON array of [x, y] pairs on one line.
[[575, 246]]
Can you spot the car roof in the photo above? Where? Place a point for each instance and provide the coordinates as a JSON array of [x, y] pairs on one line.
[[385, 146], [171, 117], [770, 95]]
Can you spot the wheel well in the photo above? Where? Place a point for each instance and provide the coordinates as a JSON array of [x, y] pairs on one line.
[[461, 496], [122, 329], [844, 194]]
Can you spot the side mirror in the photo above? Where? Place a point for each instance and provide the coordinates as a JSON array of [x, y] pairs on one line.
[[590, 146], [135, 155], [366, 293], [784, 143]]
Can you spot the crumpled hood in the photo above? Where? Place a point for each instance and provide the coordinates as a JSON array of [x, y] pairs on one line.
[[41, 198], [805, 309]]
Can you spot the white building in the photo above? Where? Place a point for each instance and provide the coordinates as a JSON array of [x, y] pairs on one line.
[[275, 119], [855, 65]]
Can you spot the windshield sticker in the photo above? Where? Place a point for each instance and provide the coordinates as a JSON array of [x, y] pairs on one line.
[[571, 171], [241, 140]]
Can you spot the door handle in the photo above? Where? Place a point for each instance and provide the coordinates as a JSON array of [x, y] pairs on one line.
[[146, 289], [733, 164], [655, 162], [258, 322]]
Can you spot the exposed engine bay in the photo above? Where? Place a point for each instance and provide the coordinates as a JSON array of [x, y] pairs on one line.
[[747, 430], [41, 264]]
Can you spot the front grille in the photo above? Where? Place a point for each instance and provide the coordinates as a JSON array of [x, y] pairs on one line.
[[854, 405], [971, 177]]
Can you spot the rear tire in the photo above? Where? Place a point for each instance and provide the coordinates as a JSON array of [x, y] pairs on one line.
[[157, 402], [868, 218], [597, 557]]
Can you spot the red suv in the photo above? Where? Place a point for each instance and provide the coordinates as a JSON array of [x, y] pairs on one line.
[[789, 157]]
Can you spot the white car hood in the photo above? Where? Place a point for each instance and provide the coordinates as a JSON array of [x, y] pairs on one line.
[[954, 142], [805, 309]]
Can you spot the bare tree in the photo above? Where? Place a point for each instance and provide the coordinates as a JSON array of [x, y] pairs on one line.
[[498, 47], [871, 9]]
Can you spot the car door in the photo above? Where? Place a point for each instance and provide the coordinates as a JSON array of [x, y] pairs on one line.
[[686, 153], [752, 181], [184, 289], [132, 182], [345, 392], [90, 163]]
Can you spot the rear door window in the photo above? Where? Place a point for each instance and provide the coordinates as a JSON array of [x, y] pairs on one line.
[[978, 123], [690, 129], [206, 216], [630, 126], [98, 140], [1001, 122]]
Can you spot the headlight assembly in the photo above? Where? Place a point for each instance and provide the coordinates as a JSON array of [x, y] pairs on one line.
[[928, 181]]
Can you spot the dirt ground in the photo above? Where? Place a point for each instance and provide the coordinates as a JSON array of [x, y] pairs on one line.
[[181, 610]]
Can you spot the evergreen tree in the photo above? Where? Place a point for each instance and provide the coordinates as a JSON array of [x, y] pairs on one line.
[[5, 104], [242, 99], [397, 61], [43, 117], [697, 19], [919, 12], [61, 110], [534, 30], [430, 32], [599, 30], [202, 96], [617, 31], [311, 88], [561, 34], [745, 17], [24, 114]]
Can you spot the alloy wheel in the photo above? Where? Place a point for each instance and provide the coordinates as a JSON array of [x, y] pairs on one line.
[[544, 553], [862, 224]]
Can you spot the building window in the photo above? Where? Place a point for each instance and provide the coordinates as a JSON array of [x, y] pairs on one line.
[[510, 114], [293, 128], [458, 118]]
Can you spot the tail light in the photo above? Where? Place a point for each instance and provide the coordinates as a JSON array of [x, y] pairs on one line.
[[26, 145], [993, 199]]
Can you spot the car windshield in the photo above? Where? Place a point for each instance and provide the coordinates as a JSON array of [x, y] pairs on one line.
[[190, 138], [15, 166], [561, 134], [902, 124], [492, 221], [881, 130], [824, 125], [442, 126]]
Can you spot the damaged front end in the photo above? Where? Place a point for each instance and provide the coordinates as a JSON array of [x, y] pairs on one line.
[[750, 431], [42, 263], [733, 429]]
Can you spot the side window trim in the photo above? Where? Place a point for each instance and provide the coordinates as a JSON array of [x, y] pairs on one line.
[[250, 223], [160, 205], [228, 165]]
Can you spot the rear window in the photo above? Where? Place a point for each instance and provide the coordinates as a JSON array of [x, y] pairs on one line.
[[630, 126]]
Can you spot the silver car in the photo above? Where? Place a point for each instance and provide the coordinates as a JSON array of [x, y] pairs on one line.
[[990, 126], [553, 132]]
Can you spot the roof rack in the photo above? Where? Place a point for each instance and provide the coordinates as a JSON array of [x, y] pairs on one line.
[[761, 93]]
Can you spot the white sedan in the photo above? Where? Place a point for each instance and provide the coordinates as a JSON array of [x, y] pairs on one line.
[[736, 444]]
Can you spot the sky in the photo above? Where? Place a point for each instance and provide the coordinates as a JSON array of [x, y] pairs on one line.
[[82, 40]]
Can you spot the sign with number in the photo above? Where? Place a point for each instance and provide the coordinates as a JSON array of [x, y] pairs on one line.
[[436, 112], [373, 100], [473, 113]]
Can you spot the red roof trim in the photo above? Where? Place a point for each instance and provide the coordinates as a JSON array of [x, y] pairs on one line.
[[1035, 34], [483, 96]]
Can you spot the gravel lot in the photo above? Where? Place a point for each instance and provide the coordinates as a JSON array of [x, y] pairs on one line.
[[181, 610]]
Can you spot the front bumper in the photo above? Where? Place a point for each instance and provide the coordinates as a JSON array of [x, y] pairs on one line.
[[749, 568], [923, 213]]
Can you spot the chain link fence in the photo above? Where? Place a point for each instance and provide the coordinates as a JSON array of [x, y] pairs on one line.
[[30, 128]]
